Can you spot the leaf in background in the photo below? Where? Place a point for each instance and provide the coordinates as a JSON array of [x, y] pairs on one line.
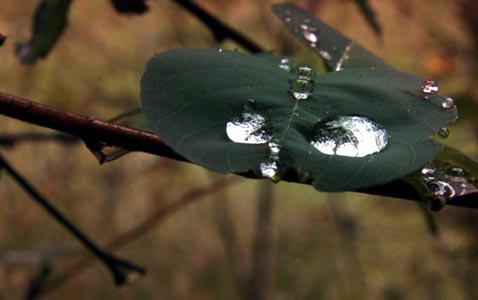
[[2, 39], [130, 6], [451, 177], [369, 15], [240, 113], [51, 18], [338, 51]]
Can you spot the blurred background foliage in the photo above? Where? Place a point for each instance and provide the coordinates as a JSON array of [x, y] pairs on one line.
[[321, 246]]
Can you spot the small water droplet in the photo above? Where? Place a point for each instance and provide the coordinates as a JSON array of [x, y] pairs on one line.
[[301, 89], [286, 64], [456, 172], [448, 103], [443, 132], [274, 148], [250, 128], [325, 55], [306, 73], [270, 170], [220, 50], [311, 36], [430, 87], [250, 104], [353, 136], [287, 19]]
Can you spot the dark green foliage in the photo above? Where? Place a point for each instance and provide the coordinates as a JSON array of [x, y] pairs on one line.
[[51, 18], [189, 95]]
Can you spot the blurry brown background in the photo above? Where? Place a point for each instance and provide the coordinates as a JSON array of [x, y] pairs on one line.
[[323, 246]]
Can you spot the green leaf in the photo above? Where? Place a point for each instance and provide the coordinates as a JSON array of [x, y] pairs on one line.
[[50, 20], [189, 96], [338, 51]]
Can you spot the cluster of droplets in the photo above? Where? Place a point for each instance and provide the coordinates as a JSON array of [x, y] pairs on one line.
[[430, 87], [353, 136], [253, 128], [270, 168], [301, 86], [304, 29], [444, 182]]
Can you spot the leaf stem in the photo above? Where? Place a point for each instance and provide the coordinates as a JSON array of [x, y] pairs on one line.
[[218, 28], [89, 129]]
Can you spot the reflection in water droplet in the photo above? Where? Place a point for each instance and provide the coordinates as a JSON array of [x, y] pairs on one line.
[[443, 132], [310, 36], [448, 103], [302, 86], [301, 89], [306, 73], [353, 136], [430, 87], [286, 64], [250, 128], [445, 182], [269, 170], [220, 50], [325, 55], [274, 148]]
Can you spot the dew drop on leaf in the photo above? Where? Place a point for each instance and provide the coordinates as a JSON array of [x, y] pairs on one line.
[[325, 55], [249, 128], [270, 170], [430, 87], [448, 103], [443, 132], [286, 64], [301, 89], [353, 136]]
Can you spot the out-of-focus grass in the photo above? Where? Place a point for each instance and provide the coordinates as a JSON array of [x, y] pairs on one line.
[[325, 246]]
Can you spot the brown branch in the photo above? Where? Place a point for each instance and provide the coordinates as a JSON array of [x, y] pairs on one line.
[[89, 129]]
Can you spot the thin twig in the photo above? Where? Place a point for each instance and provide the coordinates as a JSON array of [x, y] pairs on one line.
[[262, 260], [119, 268], [139, 230], [220, 30], [89, 129]]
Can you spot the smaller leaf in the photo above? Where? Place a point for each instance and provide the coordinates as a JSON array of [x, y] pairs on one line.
[[369, 15], [49, 22], [130, 6], [338, 51]]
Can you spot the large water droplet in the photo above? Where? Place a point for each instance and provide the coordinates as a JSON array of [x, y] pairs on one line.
[[353, 136], [249, 128], [286, 63], [430, 87], [448, 103]]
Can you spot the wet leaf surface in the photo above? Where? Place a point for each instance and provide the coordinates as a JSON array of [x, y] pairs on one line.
[[189, 96], [338, 51]]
